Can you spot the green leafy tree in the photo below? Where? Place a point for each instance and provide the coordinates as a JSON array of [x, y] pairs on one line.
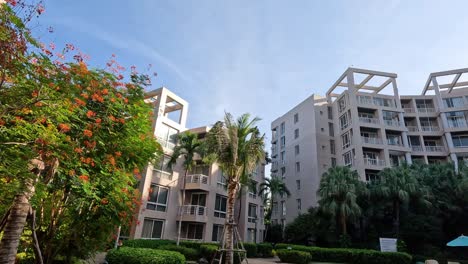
[[188, 147], [273, 187], [72, 140], [338, 191], [237, 146]]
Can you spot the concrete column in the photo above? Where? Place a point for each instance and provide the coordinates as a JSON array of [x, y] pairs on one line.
[[404, 135]]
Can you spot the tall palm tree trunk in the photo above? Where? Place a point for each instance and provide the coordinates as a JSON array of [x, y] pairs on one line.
[[396, 223], [229, 239], [179, 230], [343, 223], [15, 224]]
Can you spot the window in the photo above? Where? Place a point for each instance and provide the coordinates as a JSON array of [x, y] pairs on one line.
[[193, 231], [282, 128], [348, 158], [299, 204], [342, 104], [283, 208], [453, 102], [198, 199], [346, 139], [331, 130], [322, 129], [333, 162], [221, 180], [460, 141], [157, 198], [298, 184], [330, 112], [283, 171], [152, 228], [456, 119], [253, 189], [296, 150], [344, 121], [296, 133], [252, 213], [220, 206], [298, 166], [274, 208], [332, 146], [251, 235], [296, 118], [371, 176], [282, 142], [383, 102], [282, 154], [161, 170], [167, 136], [217, 234], [321, 112], [391, 118]]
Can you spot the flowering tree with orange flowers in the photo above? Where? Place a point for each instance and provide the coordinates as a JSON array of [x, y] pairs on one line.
[[72, 140]]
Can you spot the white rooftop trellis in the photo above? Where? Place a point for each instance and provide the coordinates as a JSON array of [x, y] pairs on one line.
[[455, 83]]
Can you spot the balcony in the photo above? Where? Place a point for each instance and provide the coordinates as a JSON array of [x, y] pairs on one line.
[[197, 182], [430, 128], [274, 166], [374, 162], [457, 122], [394, 123], [435, 148], [162, 174], [408, 110], [394, 142], [417, 148], [369, 120], [426, 110], [412, 128], [193, 213], [371, 140], [166, 144]]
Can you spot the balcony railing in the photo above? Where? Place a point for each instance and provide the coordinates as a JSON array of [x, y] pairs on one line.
[[417, 148], [435, 148], [408, 109], [430, 128], [394, 142], [457, 122], [193, 210], [369, 120], [374, 162], [166, 144], [412, 128], [162, 174], [365, 101], [395, 123], [426, 109], [371, 140], [197, 178]]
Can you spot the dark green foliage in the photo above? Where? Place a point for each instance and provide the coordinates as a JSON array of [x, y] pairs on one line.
[[127, 255], [189, 253], [294, 256], [274, 234], [265, 250], [251, 249], [208, 251], [147, 243]]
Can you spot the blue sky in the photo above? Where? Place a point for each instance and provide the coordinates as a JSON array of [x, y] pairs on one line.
[[263, 56]]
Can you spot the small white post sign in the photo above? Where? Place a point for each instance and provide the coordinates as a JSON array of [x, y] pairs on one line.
[[388, 244]]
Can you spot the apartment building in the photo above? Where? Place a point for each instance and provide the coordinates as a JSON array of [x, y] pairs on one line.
[[204, 211], [365, 124]]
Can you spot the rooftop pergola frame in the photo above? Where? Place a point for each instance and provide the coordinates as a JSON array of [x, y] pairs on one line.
[[432, 83], [348, 80]]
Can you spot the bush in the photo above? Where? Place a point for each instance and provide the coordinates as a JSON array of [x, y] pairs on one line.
[[265, 250], [208, 251], [294, 256], [147, 243], [127, 255], [189, 253], [251, 249]]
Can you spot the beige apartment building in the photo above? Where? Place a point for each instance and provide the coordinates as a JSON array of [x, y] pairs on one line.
[[364, 123], [204, 212]]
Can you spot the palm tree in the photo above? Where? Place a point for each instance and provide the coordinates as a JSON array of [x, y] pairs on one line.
[[273, 187], [397, 184], [237, 146], [338, 190], [188, 146]]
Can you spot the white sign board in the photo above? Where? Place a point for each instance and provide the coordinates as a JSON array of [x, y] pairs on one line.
[[388, 244]]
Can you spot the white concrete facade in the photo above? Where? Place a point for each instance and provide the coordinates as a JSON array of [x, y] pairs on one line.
[[368, 126], [204, 210]]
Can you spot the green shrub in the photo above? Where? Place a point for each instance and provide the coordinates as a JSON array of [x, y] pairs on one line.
[[127, 255], [208, 251], [189, 253], [147, 243], [251, 249], [293, 256], [265, 250]]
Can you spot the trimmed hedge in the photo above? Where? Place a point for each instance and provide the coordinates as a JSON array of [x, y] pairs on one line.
[[208, 251], [294, 256], [128, 255], [353, 256], [265, 250], [147, 243], [251, 249], [189, 253]]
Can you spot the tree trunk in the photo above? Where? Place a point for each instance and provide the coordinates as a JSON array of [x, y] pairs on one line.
[[343, 223], [229, 236], [15, 224], [396, 205], [179, 229]]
